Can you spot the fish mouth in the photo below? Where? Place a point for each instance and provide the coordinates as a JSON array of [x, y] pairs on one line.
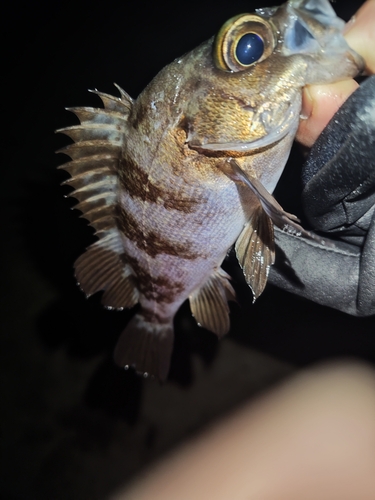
[[274, 134]]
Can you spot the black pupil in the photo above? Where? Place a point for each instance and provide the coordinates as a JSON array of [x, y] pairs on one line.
[[249, 49]]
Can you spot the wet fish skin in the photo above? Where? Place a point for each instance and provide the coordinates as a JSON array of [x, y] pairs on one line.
[[161, 178]]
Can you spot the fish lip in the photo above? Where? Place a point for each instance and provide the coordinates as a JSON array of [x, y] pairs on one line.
[[275, 135], [263, 142]]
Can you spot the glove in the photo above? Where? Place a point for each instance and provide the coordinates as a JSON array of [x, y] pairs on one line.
[[339, 202]]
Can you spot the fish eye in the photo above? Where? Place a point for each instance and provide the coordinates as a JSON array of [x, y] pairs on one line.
[[249, 49], [243, 41]]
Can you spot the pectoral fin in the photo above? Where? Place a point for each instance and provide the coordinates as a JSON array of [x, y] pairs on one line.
[[255, 250], [284, 220], [209, 304]]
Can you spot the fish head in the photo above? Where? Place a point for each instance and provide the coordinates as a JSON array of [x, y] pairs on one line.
[[245, 84]]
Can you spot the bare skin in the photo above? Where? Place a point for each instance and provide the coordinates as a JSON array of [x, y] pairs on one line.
[[320, 102], [312, 438]]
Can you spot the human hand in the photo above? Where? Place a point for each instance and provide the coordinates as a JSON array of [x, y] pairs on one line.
[[320, 102], [339, 191]]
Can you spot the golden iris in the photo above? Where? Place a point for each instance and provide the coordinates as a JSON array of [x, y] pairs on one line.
[[243, 41]]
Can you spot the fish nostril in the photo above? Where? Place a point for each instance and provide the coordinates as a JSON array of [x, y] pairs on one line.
[[249, 107], [299, 38]]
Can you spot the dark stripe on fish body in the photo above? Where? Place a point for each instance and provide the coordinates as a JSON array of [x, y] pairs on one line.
[[154, 317], [137, 115], [150, 242], [137, 183], [159, 289]]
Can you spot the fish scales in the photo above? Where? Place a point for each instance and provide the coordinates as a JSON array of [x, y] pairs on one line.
[[172, 180]]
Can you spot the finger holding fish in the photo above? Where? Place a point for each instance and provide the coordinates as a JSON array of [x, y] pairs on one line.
[[320, 102]]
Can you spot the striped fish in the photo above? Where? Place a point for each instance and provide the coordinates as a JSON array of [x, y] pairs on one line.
[[171, 180]]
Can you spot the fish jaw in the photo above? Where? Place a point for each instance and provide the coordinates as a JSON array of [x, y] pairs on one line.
[[286, 124]]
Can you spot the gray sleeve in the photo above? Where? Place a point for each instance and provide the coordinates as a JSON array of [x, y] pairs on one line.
[[339, 202]]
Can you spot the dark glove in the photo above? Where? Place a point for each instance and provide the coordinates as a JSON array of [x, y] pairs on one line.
[[339, 203]]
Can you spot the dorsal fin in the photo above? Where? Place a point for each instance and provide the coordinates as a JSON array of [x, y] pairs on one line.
[[95, 154], [123, 104]]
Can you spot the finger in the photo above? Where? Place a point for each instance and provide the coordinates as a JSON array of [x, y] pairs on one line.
[[360, 34], [319, 104]]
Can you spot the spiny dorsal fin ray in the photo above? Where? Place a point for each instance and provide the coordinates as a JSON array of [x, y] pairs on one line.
[[93, 203], [87, 115], [95, 155], [209, 304], [84, 149], [123, 103], [102, 223], [93, 131], [88, 196], [255, 250], [81, 180], [86, 164], [125, 97], [99, 212], [106, 185]]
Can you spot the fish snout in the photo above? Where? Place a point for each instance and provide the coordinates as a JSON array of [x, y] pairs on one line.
[[315, 33]]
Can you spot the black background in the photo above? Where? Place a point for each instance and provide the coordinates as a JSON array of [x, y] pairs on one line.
[[54, 52]]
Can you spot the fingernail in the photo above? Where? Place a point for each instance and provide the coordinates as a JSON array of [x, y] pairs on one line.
[[349, 25], [307, 104]]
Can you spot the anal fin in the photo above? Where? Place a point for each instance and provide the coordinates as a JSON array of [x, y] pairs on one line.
[[209, 304], [255, 250]]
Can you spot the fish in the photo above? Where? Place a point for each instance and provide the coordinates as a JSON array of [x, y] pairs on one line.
[[172, 180]]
